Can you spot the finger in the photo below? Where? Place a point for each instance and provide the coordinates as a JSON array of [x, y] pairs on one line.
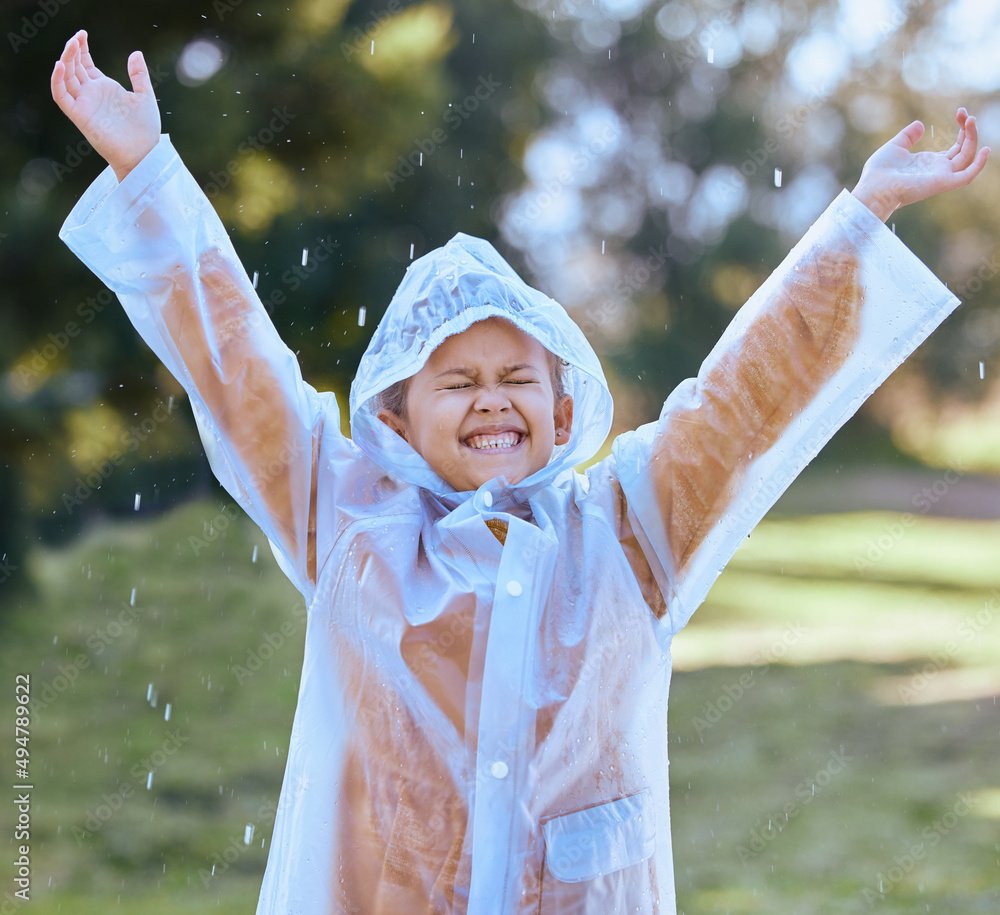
[[978, 164], [85, 58], [908, 135], [970, 143], [60, 93], [79, 69], [138, 73]]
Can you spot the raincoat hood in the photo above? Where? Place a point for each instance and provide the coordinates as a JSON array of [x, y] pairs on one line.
[[444, 293]]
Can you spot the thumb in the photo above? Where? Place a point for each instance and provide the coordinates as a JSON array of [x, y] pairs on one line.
[[909, 135], [138, 73]]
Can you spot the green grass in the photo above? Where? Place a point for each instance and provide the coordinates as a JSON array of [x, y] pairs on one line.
[[883, 663]]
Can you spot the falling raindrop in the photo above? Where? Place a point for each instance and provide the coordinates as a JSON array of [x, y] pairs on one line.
[[248, 834], [373, 48], [131, 600], [777, 177], [253, 558], [166, 712], [138, 499], [411, 250], [982, 371], [256, 276], [711, 55], [361, 316], [149, 781], [305, 256]]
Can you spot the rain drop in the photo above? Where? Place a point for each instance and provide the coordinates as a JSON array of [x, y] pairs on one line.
[[777, 177], [253, 558], [138, 499], [248, 834], [149, 781], [256, 276], [305, 256], [361, 316], [166, 712], [711, 55], [982, 371]]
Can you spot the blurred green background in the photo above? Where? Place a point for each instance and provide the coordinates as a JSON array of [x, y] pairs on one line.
[[647, 164]]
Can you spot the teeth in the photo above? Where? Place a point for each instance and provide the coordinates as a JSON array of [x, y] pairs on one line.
[[491, 442]]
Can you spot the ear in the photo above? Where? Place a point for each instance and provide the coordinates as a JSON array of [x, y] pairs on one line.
[[563, 417], [393, 422]]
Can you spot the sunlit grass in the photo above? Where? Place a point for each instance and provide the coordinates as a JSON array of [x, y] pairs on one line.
[[853, 689]]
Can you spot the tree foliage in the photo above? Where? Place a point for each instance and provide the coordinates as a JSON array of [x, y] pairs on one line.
[[625, 155]]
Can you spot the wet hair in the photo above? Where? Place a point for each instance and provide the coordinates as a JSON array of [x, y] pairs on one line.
[[393, 398]]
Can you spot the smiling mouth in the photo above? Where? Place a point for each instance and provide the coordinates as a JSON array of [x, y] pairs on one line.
[[494, 444]]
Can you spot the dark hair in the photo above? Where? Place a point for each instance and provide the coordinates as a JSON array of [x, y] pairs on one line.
[[393, 398]]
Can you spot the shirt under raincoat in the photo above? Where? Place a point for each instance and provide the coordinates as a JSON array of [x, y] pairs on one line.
[[482, 716]]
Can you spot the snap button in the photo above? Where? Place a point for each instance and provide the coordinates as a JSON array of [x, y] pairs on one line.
[[488, 499], [514, 588], [499, 769]]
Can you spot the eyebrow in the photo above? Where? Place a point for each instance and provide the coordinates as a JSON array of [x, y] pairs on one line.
[[471, 373]]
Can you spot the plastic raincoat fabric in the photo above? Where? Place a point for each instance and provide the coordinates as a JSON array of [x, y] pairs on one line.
[[482, 716]]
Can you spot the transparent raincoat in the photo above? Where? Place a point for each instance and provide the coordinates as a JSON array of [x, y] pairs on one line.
[[482, 715]]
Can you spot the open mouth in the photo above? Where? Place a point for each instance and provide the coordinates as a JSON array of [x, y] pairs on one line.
[[496, 443]]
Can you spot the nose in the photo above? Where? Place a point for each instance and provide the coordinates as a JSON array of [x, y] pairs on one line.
[[491, 399]]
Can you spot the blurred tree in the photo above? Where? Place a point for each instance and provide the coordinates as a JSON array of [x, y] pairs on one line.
[[647, 164]]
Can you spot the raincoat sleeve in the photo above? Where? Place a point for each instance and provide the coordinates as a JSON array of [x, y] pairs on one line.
[[842, 311], [156, 241]]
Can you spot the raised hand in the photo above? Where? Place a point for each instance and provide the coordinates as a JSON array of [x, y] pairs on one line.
[[122, 126], [894, 176]]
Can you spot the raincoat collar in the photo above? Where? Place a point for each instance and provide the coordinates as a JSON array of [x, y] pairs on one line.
[[443, 293]]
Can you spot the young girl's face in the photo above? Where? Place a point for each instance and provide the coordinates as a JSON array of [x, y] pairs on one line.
[[483, 405]]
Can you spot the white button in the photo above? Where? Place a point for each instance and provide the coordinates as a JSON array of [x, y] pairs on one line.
[[499, 770], [514, 588], [488, 498]]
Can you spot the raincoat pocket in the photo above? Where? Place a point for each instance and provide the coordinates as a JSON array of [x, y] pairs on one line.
[[591, 855]]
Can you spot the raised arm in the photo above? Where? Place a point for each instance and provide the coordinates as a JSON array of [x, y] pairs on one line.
[[155, 240], [847, 305]]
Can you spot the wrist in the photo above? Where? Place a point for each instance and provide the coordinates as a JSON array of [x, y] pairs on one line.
[[122, 167], [880, 200]]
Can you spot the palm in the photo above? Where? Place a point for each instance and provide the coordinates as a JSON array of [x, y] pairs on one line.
[[894, 176], [121, 125]]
